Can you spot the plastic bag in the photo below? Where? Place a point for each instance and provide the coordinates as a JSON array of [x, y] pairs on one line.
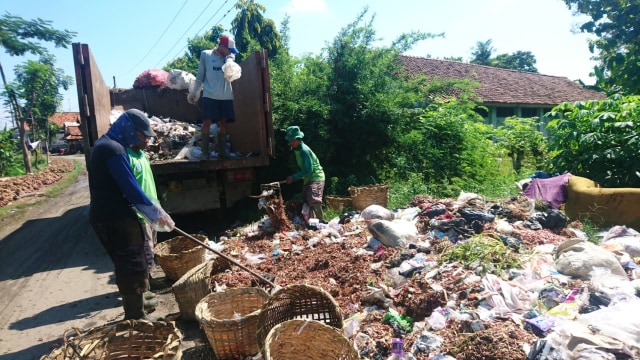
[[372, 212], [153, 77], [180, 80], [232, 71], [393, 233]]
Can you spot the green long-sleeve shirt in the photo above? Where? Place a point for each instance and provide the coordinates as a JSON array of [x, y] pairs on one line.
[[310, 168]]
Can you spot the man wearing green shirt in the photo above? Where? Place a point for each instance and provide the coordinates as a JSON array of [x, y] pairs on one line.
[[310, 172], [141, 168]]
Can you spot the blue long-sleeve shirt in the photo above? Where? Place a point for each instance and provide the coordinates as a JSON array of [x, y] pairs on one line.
[[112, 184]]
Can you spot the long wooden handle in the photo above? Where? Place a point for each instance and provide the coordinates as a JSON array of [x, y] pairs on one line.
[[178, 230]]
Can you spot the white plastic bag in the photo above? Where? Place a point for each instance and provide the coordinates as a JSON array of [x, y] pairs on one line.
[[232, 71], [377, 212], [180, 80]]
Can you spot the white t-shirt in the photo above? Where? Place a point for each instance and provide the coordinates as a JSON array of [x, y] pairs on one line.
[[215, 86]]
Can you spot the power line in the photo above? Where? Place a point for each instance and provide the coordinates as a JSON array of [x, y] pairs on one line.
[[183, 34], [207, 23], [159, 38]]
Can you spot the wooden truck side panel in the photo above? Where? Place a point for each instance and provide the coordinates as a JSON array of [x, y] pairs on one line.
[[188, 186]]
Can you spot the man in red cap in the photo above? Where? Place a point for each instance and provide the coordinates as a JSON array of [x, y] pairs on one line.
[[217, 94]]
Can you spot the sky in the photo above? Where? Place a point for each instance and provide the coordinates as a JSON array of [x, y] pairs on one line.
[[129, 37]]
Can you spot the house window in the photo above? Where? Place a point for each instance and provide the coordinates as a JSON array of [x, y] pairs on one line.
[[503, 112], [529, 112]]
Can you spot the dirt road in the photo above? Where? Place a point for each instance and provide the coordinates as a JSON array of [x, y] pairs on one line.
[[54, 275]]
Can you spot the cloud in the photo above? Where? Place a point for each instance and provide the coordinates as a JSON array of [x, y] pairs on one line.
[[306, 6]]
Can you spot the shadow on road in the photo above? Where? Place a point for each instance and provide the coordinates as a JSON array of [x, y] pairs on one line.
[[83, 309], [52, 243]]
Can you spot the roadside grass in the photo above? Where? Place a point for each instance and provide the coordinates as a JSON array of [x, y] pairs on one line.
[[19, 207]]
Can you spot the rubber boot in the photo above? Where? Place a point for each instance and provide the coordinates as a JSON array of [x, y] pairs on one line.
[[222, 146], [205, 146], [134, 308], [150, 301], [316, 211]]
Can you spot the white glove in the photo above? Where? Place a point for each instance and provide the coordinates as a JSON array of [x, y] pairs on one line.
[[164, 223], [194, 91], [192, 99]]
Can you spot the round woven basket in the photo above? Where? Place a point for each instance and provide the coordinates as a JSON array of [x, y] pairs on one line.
[[369, 195], [230, 319], [194, 285], [298, 302], [338, 203], [317, 341], [128, 339], [178, 255]]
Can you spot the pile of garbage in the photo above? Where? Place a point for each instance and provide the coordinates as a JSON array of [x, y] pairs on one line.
[[459, 278], [178, 140]]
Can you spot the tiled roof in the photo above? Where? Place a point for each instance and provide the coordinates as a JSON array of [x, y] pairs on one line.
[[61, 118], [504, 86], [72, 132]]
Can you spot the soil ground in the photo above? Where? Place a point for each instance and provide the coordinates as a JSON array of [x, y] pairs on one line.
[[55, 275]]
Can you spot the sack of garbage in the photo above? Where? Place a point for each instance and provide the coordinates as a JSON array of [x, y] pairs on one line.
[[232, 71], [579, 258], [179, 79], [393, 233], [153, 77], [372, 212]]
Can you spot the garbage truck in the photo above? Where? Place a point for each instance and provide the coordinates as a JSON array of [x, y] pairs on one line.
[[187, 185]]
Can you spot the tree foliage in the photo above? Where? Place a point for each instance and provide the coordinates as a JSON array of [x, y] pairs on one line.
[[8, 158], [16, 34], [16, 37], [519, 60], [191, 59], [617, 42], [522, 141], [253, 31], [482, 53], [36, 89], [598, 140]]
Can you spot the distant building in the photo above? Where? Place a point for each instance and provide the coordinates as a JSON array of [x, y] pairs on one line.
[[506, 92], [70, 137]]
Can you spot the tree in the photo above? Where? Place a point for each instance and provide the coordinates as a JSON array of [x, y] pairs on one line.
[[482, 53], [598, 140], [519, 60], [190, 60], [522, 140], [366, 98], [37, 96], [16, 34], [617, 46], [252, 31]]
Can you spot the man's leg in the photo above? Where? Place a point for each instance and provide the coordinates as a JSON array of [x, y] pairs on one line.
[[312, 196], [222, 139], [206, 129]]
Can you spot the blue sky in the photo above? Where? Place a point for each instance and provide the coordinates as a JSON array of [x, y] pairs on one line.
[[128, 37]]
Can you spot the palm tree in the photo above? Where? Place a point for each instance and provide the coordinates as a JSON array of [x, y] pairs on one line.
[[482, 53]]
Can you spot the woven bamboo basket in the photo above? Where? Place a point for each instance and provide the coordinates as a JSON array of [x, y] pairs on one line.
[[128, 339], [364, 196], [298, 302], [178, 255], [229, 320], [338, 203], [317, 341], [194, 285]]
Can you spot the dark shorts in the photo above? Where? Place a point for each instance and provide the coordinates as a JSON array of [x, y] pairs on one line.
[[218, 109]]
